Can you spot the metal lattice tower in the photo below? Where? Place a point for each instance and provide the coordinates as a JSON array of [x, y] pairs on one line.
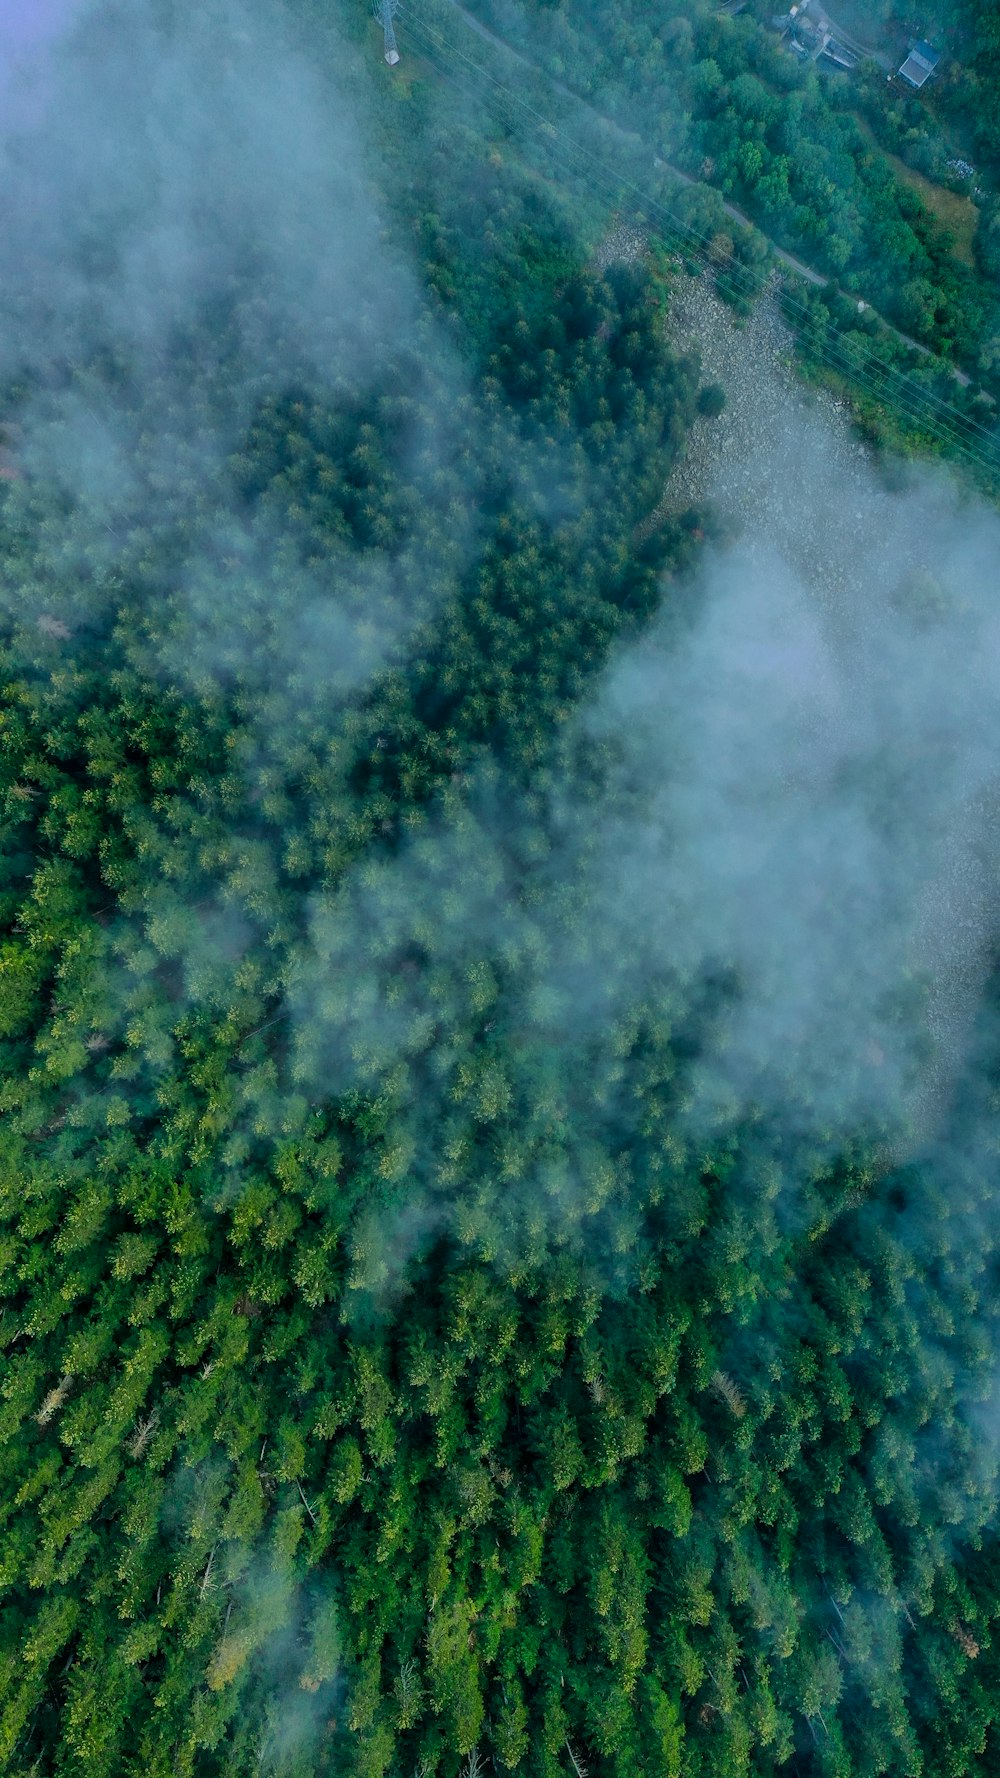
[[385, 11]]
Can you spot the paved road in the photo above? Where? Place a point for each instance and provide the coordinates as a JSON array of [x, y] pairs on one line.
[[786, 259]]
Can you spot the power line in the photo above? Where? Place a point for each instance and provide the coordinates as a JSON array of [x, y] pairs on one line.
[[921, 406], [686, 229], [911, 395]]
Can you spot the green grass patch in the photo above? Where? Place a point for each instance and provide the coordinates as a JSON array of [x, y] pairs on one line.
[[959, 215]]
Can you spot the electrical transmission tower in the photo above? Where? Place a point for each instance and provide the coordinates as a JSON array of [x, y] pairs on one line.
[[385, 11]]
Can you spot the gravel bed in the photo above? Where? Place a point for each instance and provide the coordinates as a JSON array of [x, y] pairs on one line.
[[785, 472], [752, 360], [624, 244]]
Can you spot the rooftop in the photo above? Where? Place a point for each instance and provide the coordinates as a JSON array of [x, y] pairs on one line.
[[920, 64]]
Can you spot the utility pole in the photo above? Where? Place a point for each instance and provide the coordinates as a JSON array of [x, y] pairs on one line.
[[385, 11]]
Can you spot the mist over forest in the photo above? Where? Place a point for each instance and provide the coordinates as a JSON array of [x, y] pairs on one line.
[[498, 1004]]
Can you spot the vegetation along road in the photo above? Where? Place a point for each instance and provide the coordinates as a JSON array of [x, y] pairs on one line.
[[789, 260]]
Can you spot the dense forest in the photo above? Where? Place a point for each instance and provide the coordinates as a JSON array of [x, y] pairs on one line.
[[441, 1333]]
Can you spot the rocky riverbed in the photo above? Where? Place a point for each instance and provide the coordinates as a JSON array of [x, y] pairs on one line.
[[731, 459], [884, 559]]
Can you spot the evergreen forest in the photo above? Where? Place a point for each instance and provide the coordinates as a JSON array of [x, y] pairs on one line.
[[448, 1325]]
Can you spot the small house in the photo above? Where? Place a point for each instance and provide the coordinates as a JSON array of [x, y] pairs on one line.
[[919, 65]]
